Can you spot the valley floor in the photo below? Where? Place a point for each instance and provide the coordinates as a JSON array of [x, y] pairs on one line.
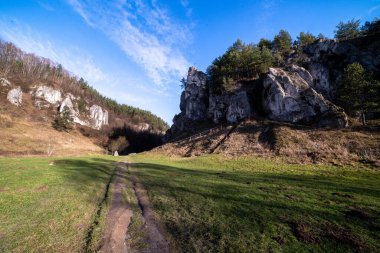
[[208, 203], [216, 204]]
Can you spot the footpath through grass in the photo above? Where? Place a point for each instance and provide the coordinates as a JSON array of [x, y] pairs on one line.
[[51, 204], [214, 204]]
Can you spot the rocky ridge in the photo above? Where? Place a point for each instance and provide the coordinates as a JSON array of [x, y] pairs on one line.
[[302, 92], [45, 97]]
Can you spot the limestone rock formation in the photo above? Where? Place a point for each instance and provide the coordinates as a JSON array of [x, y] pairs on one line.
[[327, 59], [231, 107], [45, 96], [4, 82], [194, 99], [68, 102], [98, 116], [289, 97], [14, 96]]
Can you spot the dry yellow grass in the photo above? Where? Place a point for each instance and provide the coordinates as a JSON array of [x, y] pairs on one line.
[[22, 137]]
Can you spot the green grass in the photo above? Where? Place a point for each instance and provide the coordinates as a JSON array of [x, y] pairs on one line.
[[215, 204], [51, 204]]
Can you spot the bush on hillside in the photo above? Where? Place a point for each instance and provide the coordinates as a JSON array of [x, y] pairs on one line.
[[63, 121]]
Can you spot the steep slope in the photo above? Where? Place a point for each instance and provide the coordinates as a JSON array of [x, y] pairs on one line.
[[288, 111], [34, 91], [294, 143]]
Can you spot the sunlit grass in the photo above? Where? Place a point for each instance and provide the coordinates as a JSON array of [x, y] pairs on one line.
[[48, 204], [215, 204]]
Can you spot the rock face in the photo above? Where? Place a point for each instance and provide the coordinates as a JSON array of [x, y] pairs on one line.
[[14, 96], [48, 94], [68, 103], [197, 104], [194, 99], [328, 58], [98, 116], [231, 107], [288, 94], [289, 97], [4, 82]]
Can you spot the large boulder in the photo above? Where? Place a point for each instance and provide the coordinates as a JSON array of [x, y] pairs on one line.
[[14, 96], [45, 96], [98, 116], [289, 97]]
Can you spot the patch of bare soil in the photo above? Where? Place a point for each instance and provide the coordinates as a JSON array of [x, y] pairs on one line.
[[154, 238], [118, 218]]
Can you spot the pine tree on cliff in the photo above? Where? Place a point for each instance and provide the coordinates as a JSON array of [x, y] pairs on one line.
[[63, 121], [359, 91], [283, 42], [348, 30]]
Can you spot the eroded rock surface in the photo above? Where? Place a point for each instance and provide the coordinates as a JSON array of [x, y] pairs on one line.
[[4, 82], [48, 94], [98, 116], [289, 97], [14, 96]]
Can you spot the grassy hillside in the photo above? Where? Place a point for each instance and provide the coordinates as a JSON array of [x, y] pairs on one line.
[[20, 137], [50, 204], [247, 204]]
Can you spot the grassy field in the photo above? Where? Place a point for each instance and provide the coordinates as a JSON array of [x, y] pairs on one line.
[[52, 204], [214, 204]]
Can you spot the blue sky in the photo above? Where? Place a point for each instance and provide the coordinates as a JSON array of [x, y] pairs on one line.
[[137, 51]]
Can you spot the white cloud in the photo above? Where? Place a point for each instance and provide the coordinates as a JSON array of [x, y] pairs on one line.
[[144, 31]]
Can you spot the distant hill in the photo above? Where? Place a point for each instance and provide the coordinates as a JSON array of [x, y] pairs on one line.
[[34, 91]]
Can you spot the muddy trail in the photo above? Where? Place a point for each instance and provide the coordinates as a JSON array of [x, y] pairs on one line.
[[120, 216]]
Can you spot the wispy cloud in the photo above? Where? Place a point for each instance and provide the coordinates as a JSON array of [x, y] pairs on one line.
[[44, 4], [186, 5], [373, 9], [144, 31], [73, 59]]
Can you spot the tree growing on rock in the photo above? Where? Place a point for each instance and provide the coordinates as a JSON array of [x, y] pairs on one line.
[[305, 39], [282, 42], [63, 121], [359, 91], [348, 30]]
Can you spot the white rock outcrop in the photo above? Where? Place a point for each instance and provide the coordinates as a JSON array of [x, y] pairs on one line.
[[4, 82], [47, 94], [289, 97], [14, 96], [98, 116]]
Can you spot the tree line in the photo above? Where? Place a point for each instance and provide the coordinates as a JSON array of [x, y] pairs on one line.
[[248, 61]]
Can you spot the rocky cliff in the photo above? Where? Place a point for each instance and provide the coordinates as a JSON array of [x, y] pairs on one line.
[[302, 92]]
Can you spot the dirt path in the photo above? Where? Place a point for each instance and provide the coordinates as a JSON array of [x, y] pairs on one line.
[[154, 238], [118, 217]]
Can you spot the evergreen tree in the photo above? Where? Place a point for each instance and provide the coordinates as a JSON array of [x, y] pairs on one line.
[[63, 121], [283, 42], [371, 28], [348, 30], [265, 43], [305, 39], [359, 91]]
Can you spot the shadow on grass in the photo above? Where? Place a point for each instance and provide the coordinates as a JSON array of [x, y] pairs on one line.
[[251, 202]]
